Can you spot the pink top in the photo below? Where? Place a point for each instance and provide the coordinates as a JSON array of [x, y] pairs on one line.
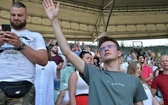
[[146, 71]]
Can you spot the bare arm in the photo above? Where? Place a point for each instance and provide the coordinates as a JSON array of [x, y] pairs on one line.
[[59, 67], [150, 77], [139, 103], [63, 65], [37, 57], [52, 13], [60, 97], [153, 91], [72, 87], [155, 102]]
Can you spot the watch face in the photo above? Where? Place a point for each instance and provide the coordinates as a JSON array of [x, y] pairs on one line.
[[22, 45]]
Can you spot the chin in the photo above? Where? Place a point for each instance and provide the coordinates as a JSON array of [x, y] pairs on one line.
[[108, 60]]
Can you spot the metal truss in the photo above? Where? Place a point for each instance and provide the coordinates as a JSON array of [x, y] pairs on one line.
[[91, 31]]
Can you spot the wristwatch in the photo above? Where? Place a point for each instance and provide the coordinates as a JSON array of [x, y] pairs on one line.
[[22, 46]]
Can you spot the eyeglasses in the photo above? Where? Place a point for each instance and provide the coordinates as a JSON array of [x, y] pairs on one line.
[[102, 49]]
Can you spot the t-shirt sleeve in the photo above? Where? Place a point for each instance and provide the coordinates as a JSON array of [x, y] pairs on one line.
[[140, 94], [61, 60], [150, 70], [154, 83], [40, 44], [89, 72]]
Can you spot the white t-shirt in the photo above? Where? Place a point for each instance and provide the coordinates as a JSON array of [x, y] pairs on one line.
[[14, 65], [44, 83], [81, 86], [149, 95], [124, 66]]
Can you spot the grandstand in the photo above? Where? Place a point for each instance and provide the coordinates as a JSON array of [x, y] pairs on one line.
[[84, 20]]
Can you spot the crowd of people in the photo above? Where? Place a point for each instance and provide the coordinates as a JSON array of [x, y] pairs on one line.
[[104, 76]]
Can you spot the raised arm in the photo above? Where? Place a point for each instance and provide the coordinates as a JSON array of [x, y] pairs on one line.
[[52, 13]]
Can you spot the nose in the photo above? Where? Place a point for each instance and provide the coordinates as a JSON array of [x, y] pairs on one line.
[[106, 48], [15, 17]]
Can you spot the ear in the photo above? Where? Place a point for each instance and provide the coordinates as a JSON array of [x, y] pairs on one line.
[[27, 16], [119, 53]]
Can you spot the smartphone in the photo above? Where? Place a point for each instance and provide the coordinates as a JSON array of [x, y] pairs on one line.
[[6, 27]]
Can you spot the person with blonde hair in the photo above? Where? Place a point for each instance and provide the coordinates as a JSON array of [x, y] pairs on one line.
[[135, 68]]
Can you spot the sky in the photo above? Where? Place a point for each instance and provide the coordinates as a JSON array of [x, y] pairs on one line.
[[149, 42]]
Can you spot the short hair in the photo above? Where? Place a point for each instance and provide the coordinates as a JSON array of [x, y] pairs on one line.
[[19, 5], [140, 55], [107, 38], [81, 55]]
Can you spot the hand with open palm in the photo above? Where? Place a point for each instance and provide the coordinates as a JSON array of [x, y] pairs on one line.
[[51, 9]]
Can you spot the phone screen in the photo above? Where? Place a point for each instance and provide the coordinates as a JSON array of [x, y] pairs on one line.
[[6, 27]]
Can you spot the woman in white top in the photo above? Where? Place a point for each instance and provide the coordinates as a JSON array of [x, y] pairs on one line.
[[134, 68], [44, 82], [78, 89]]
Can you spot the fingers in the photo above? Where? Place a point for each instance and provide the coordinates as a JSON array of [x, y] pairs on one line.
[[47, 3], [11, 38], [57, 7], [51, 2], [9, 35]]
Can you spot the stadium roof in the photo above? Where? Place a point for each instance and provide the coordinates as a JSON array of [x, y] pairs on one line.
[[85, 20]]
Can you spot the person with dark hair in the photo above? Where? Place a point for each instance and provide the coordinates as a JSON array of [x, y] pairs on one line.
[[56, 57], [106, 87], [96, 58], [134, 56], [78, 89], [22, 49], [96, 62], [147, 72]]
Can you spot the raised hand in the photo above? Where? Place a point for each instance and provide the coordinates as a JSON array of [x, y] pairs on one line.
[[51, 10], [59, 67]]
